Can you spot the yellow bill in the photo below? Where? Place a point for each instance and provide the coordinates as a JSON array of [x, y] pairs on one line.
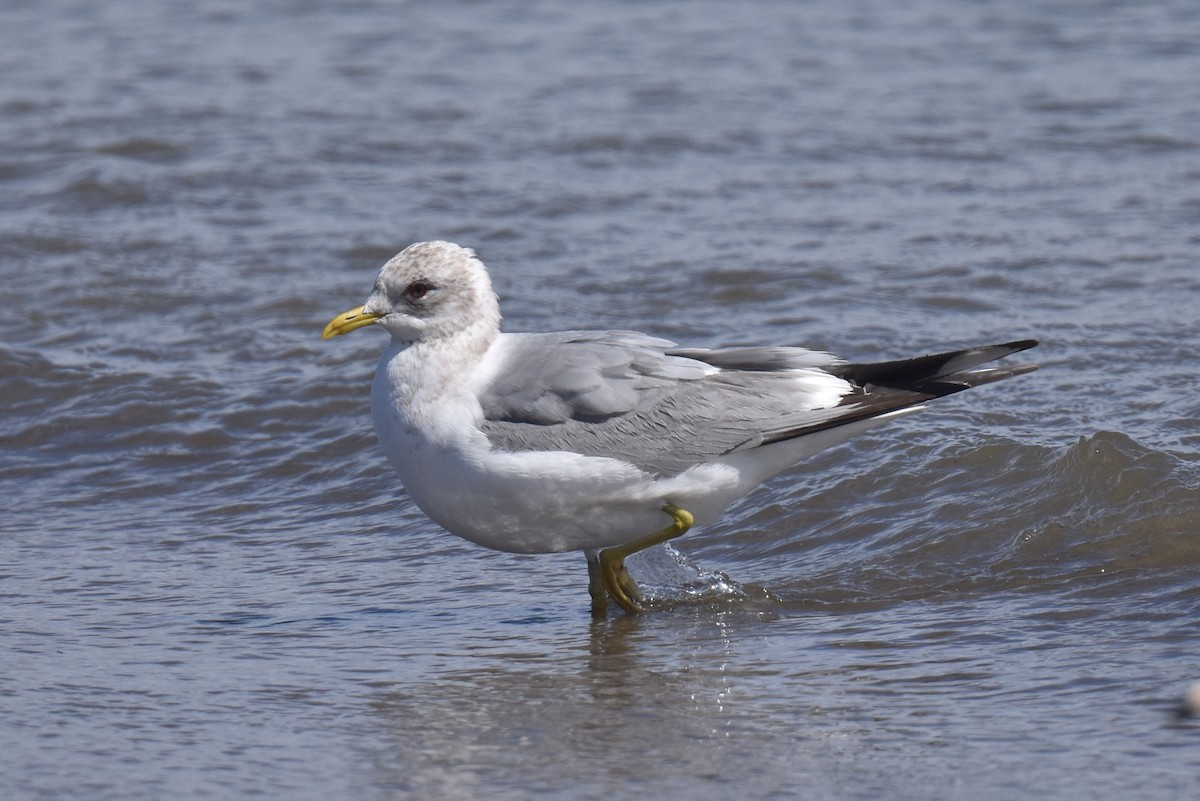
[[348, 321]]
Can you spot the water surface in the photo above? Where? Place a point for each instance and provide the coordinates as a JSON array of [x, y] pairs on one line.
[[213, 587]]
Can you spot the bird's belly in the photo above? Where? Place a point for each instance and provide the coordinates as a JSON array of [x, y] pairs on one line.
[[546, 502]]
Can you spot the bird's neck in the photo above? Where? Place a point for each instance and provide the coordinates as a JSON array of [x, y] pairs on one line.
[[431, 372]]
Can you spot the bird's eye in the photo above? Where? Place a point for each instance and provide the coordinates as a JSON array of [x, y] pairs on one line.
[[417, 290]]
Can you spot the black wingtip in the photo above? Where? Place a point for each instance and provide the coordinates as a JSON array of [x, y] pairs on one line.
[[885, 387], [925, 371], [1020, 345]]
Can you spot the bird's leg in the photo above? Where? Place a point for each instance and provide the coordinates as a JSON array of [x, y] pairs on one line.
[[597, 588], [596, 585], [626, 582], [609, 567]]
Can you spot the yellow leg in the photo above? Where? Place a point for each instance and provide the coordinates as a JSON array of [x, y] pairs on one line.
[[598, 589], [607, 575]]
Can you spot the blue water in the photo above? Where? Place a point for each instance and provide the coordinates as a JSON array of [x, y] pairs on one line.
[[211, 586]]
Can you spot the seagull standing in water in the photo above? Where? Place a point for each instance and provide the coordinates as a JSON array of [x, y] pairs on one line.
[[606, 442]]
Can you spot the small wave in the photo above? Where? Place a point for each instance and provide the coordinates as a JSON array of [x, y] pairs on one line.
[[143, 148], [1107, 504], [1103, 516]]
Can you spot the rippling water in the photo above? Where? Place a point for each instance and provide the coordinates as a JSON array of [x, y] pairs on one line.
[[213, 588]]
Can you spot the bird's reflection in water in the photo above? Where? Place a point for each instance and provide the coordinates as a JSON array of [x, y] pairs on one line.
[[628, 699]]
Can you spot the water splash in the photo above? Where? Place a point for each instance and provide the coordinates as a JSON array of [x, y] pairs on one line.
[[665, 574]]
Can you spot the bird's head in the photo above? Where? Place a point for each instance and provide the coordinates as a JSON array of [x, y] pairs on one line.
[[428, 291]]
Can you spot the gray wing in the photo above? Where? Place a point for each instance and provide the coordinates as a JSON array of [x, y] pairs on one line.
[[637, 398], [629, 396]]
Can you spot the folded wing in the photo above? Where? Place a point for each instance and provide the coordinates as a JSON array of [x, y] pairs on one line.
[[664, 409]]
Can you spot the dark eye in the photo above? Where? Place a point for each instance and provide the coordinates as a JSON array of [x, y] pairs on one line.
[[417, 290]]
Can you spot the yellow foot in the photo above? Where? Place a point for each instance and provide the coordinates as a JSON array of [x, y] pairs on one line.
[[620, 585], [607, 576]]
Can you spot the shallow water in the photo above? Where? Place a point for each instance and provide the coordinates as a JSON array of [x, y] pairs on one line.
[[212, 586]]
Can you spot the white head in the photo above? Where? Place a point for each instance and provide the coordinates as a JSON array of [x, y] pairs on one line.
[[426, 292]]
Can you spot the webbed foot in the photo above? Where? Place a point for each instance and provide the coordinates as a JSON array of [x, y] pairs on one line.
[[607, 576]]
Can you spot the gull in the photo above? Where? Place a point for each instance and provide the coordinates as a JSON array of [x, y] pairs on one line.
[[606, 442]]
